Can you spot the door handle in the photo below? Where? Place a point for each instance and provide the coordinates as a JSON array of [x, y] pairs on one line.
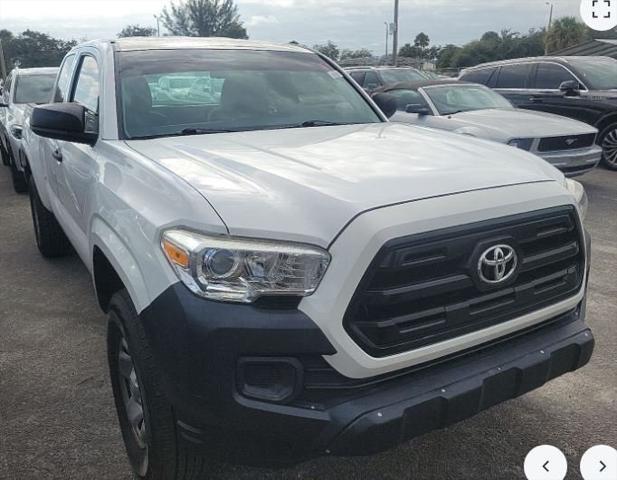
[[535, 100], [57, 154]]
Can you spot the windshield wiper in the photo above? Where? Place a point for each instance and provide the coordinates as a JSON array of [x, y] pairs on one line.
[[203, 131]]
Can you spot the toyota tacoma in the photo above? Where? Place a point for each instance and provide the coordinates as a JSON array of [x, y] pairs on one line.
[[287, 274]]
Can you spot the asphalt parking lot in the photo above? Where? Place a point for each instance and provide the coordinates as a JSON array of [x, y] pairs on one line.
[[56, 412]]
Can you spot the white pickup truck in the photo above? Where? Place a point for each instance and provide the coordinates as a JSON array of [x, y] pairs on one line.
[[286, 273]]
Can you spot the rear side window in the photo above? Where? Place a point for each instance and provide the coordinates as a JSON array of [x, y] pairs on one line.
[[550, 76], [358, 77], [371, 81], [513, 76], [479, 76], [7, 87], [87, 87]]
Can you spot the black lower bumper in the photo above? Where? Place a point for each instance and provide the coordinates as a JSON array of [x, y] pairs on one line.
[[199, 344]]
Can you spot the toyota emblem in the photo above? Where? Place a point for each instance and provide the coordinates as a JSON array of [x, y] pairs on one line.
[[497, 264]]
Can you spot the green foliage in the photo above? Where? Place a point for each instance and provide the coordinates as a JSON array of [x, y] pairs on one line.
[[204, 18], [411, 51], [329, 49], [491, 47], [137, 31], [33, 49], [349, 54], [566, 32], [422, 41]]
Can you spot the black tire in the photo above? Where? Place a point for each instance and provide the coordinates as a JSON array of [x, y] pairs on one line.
[[154, 447], [20, 185], [50, 239], [608, 142], [5, 156]]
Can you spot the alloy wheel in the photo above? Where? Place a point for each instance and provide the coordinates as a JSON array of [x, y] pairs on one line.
[[133, 403], [609, 145]]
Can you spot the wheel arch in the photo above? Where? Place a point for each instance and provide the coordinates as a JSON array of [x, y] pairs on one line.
[[605, 122], [114, 268]]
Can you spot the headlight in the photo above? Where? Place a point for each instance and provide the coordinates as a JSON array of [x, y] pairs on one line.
[[242, 270], [576, 189], [16, 131], [522, 143]]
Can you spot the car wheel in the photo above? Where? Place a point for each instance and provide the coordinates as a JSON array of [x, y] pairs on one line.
[[20, 185], [5, 156], [147, 420], [608, 141], [50, 239]]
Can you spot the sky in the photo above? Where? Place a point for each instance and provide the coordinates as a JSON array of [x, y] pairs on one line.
[[349, 23]]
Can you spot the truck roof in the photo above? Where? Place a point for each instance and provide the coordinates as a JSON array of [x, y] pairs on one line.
[[173, 43]]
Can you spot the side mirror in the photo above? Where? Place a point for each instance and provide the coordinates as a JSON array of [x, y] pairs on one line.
[[570, 88], [387, 103], [70, 122], [421, 110]]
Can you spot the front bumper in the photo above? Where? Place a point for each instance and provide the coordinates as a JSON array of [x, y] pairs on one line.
[[574, 162], [198, 345]]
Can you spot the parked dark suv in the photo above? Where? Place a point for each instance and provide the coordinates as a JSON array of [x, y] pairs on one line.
[[583, 88]]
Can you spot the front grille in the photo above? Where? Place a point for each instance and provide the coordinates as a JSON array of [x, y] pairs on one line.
[[425, 288], [572, 142]]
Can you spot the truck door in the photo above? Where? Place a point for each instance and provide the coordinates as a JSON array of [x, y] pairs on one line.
[[76, 163]]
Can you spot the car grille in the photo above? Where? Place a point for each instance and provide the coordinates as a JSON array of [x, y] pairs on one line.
[[425, 288], [572, 142]]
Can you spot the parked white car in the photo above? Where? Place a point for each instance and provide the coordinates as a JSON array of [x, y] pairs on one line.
[[286, 273], [475, 110], [23, 87]]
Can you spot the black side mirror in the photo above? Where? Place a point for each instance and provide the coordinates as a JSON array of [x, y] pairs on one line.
[[571, 88], [420, 109], [387, 103], [71, 122]]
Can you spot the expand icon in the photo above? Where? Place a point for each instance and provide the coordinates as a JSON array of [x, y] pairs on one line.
[[600, 15]]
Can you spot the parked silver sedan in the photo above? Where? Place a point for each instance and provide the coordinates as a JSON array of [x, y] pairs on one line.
[[475, 110]]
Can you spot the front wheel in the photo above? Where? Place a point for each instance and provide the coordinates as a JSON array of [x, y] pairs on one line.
[[147, 420], [608, 142]]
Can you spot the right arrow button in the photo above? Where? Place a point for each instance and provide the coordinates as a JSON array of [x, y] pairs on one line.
[[599, 463]]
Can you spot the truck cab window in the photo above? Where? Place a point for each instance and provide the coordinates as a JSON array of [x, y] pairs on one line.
[[64, 77], [87, 86]]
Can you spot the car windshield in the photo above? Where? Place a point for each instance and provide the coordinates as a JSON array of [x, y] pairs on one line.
[[597, 73], [190, 92], [401, 75], [34, 88], [451, 99]]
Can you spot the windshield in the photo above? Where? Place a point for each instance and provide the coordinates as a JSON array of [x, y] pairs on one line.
[[451, 99], [401, 75], [34, 88], [598, 73], [187, 92]]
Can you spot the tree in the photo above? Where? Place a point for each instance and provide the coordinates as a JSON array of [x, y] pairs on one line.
[[204, 18], [410, 51], [137, 31], [33, 49], [329, 49], [422, 41], [566, 32], [351, 54]]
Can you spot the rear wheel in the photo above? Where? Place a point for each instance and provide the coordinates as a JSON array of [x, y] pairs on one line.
[[4, 155], [147, 420], [20, 185], [50, 239], [608, 141]]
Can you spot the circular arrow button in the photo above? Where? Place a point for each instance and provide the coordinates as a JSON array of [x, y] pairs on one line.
[[546, 463], [599, 463]]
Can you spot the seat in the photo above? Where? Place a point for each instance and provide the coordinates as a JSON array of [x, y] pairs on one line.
[[241, 100], [139, 117]]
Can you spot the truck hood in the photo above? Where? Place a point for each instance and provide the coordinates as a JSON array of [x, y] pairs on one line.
[[307, 184], [504, 125]]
